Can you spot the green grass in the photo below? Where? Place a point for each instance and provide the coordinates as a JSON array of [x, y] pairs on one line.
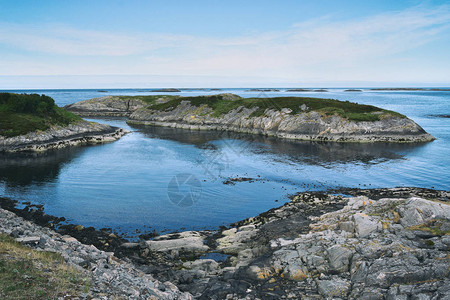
[[30, 274], [23, 113], [433, 227], [327, 107]]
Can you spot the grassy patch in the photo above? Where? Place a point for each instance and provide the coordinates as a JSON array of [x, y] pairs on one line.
[[30, 274], [327, 107], [23, 113], [433, 227]]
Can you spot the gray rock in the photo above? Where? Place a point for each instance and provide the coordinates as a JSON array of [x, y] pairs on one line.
[[207, 265], [29, 239], [189, 241], [347, 226], [336, 288], [365, 224], [418, 211], [339, 258]]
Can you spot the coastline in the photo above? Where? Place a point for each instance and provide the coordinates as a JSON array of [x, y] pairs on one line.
[[109, 277], [341, 138], [81, 133], [376, 242]]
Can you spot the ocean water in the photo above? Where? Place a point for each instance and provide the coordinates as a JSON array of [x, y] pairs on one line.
[[167, 179]]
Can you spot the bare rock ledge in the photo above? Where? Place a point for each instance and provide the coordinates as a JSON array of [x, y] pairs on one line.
[[57, 137]]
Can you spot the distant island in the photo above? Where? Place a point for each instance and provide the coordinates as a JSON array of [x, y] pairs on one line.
[[411, 89], [307, 90], [352, 90], [298, 90], [262, 90], [32, 122], [166, 90], [284, 117]]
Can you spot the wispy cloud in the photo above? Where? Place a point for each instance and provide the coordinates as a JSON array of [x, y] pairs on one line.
[[305, 50]]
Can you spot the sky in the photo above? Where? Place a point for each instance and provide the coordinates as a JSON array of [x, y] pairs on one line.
[[284, 43]]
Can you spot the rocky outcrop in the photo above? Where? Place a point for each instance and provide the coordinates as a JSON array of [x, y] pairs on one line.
[[278, 122], [307, 125], [106, 106], [380, 244], [376, 244], [110, 277], [57, 137]]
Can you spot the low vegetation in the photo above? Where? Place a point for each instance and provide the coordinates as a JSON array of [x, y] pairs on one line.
[[327, 107], [23, 113], [30, 274]]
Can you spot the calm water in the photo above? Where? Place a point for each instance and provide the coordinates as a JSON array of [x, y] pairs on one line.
[[170, 179]]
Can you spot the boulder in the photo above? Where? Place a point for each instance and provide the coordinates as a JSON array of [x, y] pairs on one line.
[[189, 241], [365, 224], [207, 265], [417, 211], [339, 258], [336, 288]]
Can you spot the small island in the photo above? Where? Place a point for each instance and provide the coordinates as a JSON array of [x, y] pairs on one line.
[[412, 89], [298, 118], [298, 90], [32, 122], [352, 90], [262, 90], [169, 90]]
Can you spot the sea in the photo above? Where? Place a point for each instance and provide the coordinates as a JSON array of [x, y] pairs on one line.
[[165, 180]]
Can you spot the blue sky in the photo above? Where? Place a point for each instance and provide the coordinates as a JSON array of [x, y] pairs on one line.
[[90, 44]]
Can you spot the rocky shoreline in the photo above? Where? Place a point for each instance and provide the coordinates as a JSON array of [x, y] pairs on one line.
[[307, 124], [110, 277], [57, 137], [349, 244]]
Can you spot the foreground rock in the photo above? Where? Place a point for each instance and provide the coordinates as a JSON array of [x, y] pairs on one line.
[[380, 244], [374, 244], [111, 277], [57, 137]]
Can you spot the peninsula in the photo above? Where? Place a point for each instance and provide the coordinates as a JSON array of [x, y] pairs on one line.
[[32, 122], [300, 118]]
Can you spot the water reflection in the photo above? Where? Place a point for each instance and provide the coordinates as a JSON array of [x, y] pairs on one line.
[[326, 154], [22, 169]]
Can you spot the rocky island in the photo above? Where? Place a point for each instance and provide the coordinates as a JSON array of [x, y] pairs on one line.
[[299, 118], [34, 123]]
